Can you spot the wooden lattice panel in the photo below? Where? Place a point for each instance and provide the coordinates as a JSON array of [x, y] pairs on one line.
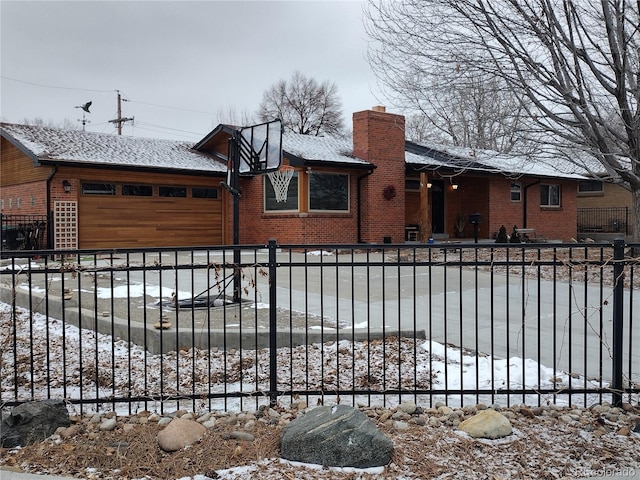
[[65, 221]]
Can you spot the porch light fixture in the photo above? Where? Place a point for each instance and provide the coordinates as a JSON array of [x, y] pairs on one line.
[[454, 186], [67, 186], [429, 184]]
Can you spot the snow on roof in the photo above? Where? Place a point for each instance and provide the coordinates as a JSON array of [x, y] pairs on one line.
[[329, 148], [468, 159], [72, 146]]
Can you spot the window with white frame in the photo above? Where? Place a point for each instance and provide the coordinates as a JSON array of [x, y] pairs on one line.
[[516, 191], [328, 192], [549, 195], [291, 202], [591, 187]]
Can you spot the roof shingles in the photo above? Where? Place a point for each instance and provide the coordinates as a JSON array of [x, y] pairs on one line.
[[75, 146]]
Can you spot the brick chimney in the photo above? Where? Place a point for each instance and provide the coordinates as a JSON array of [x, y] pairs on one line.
[[378, 137]]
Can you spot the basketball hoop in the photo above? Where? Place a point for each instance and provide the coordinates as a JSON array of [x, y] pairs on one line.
[[280, 180]]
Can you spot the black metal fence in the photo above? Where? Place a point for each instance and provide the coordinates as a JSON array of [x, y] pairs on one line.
[[366, 324], [603, 220], [23, 232]]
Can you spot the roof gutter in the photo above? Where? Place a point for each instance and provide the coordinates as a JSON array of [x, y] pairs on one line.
[[359, 194], [524, 204]]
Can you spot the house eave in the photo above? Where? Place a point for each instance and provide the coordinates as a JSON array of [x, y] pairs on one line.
[[20, 146]]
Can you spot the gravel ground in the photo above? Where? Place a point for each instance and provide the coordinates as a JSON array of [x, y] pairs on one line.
[[547, 443]]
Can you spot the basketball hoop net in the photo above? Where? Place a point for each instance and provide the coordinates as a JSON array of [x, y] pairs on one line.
[[280, 180]]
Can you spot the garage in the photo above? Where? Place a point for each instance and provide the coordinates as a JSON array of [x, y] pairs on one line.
[[120, 215]]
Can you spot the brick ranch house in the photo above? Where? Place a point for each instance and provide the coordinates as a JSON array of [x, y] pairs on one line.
[[109, 191]]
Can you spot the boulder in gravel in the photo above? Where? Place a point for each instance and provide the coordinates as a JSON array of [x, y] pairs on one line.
[[336, 436], [32, 422], [179, 433], [487, 424]]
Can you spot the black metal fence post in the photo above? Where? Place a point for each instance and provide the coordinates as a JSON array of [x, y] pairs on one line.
[[273, 323], [618, 319]]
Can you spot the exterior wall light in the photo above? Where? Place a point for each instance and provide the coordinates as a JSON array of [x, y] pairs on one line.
[[67, 186], [454, 186]]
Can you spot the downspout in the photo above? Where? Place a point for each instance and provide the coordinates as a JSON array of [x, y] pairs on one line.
[[359, 213], [524, 205], [49, 215]]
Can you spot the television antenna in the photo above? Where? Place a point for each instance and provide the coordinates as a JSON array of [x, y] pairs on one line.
[[85, 110]]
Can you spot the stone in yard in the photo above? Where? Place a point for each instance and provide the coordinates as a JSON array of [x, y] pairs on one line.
[[108, 424], [487, 424], [179, 433], [32, 422], [337, 436]]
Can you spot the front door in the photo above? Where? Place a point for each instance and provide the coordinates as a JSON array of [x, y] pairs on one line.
[[437, 206]]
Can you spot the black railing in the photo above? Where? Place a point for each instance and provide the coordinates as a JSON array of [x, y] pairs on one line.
[[603, 220], [23, 232], [373, 324]]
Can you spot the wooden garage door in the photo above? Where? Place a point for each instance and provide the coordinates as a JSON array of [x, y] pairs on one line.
[[157, 218]]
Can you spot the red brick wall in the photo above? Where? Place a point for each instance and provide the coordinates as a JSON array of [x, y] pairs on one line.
[[25, 199], [551, 222], [379, 138], [257, 227]]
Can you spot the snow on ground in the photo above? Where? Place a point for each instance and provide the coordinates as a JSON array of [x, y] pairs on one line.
[[81, 362], [115, 368]]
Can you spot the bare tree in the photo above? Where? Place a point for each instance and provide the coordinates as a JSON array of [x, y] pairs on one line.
[[231, 116], [304, 105], [457, 104], [475, 114], [572, 65], [65, 124]]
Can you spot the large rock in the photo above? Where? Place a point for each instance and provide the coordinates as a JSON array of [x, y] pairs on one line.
[[337, 436], [32, 422], [179, 433], [487, 424]]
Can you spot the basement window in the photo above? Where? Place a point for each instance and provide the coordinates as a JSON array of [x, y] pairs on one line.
[[98, 189]]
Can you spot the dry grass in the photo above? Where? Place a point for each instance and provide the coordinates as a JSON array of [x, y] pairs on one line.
[[540, 448]]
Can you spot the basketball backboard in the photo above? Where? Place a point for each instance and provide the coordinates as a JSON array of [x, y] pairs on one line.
[[260, 148]]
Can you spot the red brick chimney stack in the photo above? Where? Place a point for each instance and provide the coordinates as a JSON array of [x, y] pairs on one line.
[[378, 137]]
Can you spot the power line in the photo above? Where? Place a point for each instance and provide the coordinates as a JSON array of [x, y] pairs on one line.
[[53, 86], [169, 106], [103, 91]]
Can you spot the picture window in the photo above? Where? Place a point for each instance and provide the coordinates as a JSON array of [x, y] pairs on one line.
[[328, 192], [290, 204]]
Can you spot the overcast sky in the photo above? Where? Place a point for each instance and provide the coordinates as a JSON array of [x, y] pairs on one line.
[[180, 64]]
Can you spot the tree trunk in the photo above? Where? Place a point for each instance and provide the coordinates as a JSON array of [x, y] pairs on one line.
[[635, 215]]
